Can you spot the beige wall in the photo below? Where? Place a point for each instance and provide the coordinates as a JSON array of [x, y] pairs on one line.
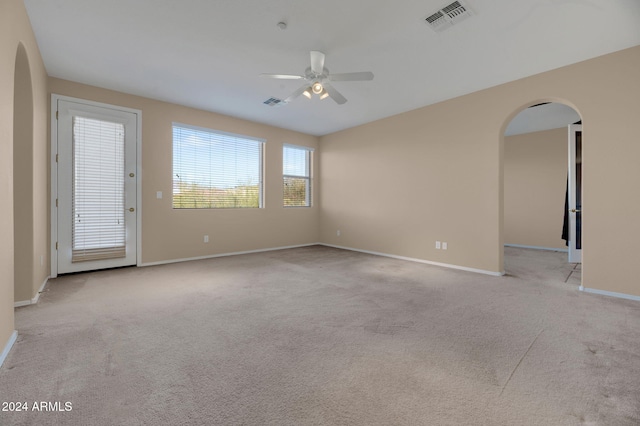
[[15, 29], [399, 184], [535, 181], [23, 178], [169, 234]]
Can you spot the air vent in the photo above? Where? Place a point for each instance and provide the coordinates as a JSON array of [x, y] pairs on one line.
[[273, 102], [448, 16]]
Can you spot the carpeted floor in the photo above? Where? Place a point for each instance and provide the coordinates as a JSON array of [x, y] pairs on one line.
[[321, 336]]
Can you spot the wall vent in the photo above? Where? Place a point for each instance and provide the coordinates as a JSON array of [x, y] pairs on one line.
[[273, 102], [448, 16]]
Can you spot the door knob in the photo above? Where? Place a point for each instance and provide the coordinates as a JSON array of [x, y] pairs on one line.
[[575, 211], [131, 209]]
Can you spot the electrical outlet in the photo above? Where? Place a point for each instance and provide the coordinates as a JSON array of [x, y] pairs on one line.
[[206, 238], [159, 195], [444, 246], [338, 233], [438, 245]]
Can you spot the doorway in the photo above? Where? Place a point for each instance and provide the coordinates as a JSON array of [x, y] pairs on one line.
[[95, 186], [536, 179]]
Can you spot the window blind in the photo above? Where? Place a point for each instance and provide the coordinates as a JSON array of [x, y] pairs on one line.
[[213, 170], [296, 165], [98, 230]]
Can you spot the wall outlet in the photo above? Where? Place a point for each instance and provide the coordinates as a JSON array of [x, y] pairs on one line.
[[438, 245], [338, 233], [159, 195], [444, 246], [206, 238]]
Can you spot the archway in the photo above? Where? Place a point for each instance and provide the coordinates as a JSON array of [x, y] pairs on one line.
[[23, 178], [534, 157]]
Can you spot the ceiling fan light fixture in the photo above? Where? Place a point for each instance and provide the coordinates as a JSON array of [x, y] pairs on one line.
[[317, 88], [316, 75]]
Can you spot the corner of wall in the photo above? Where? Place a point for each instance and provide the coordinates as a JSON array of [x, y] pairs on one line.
[[7, 348]]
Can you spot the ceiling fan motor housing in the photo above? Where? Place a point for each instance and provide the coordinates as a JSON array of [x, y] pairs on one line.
[[312, 76]]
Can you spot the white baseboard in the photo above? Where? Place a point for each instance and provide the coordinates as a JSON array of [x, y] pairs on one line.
[[412, 259], [610, 293], [213, 256], [35, 298], [8, 346], [538, 248]]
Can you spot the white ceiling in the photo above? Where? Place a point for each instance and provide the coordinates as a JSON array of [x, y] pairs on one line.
[[208, 53]]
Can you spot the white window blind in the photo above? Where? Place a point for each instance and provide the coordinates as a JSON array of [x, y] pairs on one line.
[[98, 230], [296, 165], [213, 170]]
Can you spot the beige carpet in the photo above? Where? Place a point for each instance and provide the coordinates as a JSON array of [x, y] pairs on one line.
[[320, 336]]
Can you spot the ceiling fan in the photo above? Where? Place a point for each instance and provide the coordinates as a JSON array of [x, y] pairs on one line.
[[318, 80]]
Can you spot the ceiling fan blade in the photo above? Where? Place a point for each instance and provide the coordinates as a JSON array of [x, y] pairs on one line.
[[317, 62], [334, 94], [352, 76], [296, 93], [283, 76]]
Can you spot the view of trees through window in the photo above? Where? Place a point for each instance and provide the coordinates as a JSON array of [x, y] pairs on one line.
[[196, 196], [295, 192]]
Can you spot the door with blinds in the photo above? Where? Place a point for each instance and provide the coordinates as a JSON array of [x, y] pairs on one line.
[[96, 184]]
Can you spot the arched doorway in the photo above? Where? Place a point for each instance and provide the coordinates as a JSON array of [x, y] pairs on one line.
[[23, 178], [535, 155]]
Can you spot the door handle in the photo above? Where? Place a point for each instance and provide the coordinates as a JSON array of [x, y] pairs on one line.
[[575, 211], [131, 209]]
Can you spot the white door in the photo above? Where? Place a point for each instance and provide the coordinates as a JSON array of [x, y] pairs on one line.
[[96, 181], [575, 193]]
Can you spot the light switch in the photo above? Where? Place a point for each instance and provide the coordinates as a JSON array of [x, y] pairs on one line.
[[159, 194]]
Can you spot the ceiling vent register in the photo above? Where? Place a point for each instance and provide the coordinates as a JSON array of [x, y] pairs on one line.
[[273, 102], [448, 16]]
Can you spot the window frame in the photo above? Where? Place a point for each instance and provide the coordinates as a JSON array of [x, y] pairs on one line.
[[309, 166], [261, 164]]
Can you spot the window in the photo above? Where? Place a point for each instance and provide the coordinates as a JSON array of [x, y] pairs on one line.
[[98, 230], [296, 170], [215, 170]]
